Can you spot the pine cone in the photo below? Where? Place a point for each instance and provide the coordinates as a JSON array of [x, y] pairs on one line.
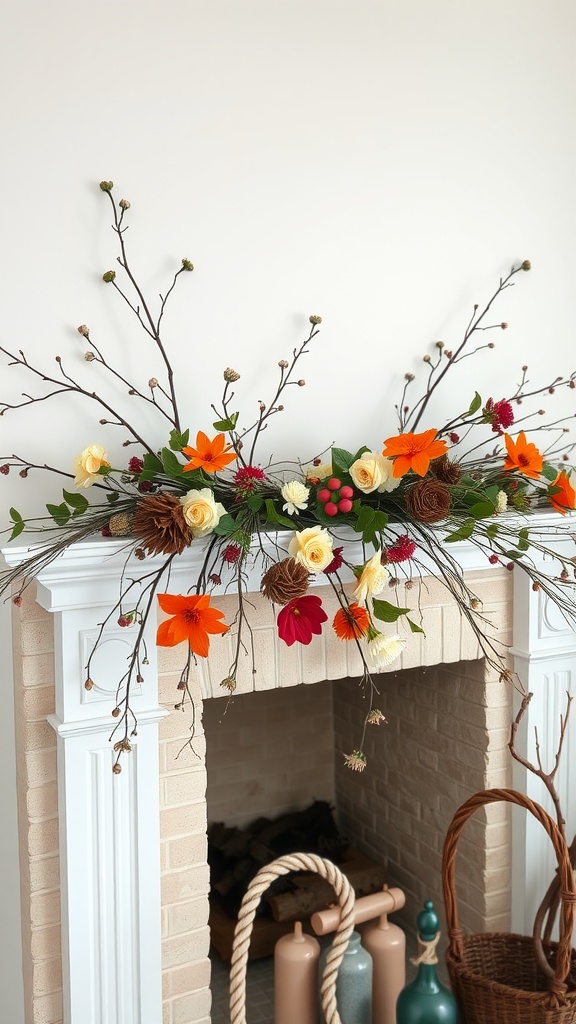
[[445, 470], [120, 525], [160, 525], [284, 581], [428, 501]]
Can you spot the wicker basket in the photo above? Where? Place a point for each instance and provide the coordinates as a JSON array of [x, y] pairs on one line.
[[496, 978]]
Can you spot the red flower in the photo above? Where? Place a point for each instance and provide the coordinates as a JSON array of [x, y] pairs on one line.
[[247, 477], [231, 553], [135, 465], [300, 619], [336, 562], [499, 414], [401, 550]]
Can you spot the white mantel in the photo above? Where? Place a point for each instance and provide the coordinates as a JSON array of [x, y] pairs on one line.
[[109, 828]]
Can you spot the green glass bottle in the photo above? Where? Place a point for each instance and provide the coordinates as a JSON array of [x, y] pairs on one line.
[[425, 1000]]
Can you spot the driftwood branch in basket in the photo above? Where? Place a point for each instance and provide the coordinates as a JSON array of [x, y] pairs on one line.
[[548, 909]]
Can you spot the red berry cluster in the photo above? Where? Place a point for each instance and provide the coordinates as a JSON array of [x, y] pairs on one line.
[[335, 497]]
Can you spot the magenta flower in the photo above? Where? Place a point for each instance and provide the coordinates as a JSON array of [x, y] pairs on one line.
[[401, 550], [300, 619], [499, 414]]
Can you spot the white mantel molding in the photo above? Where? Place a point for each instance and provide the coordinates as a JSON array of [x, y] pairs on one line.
[[109, 825]]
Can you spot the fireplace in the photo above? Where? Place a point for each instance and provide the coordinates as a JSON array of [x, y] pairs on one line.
[[114, 876]]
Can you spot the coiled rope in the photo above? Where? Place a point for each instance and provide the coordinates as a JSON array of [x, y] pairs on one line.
[[247, 913]]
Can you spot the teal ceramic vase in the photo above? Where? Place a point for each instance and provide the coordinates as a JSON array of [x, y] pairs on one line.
[[425, 1000]]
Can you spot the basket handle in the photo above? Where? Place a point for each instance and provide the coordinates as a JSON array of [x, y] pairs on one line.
[[558, 977], [247, 913]]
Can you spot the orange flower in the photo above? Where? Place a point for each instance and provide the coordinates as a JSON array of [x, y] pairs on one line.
[[192, 620], [414, 451], [564, 498], [351, 623], [523, 456], [209, 455]]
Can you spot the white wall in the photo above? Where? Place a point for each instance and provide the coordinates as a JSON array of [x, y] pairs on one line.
[[379, 163]]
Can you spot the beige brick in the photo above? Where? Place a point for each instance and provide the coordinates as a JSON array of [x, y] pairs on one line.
[[45, 909], [38, 702], [47, 977], [184, 787], [190, 1008], [185, 949], [188, 916], [42, 802], [40, 767], [37, 670], [190, 819], [188, 978], [43, 837], [44, 873], [46, 942], [184, 884], [37, 636], [48, 1009], [187, 851]]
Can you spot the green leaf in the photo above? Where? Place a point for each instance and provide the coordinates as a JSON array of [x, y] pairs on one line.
[[515, 555], [492, 530], [523, 543], [179, 441], [549, 472], [152, 463], [76, 501], [341, 460], [414, 628], [60, 513], [171, 465], [474, 404], [462, 533], [273, 516], [112, 496], [105, 470], [387, 612], [482, 509], [365, 518], [18, 528], [228, 424], [255, 502], [226, 526], [15, 516]]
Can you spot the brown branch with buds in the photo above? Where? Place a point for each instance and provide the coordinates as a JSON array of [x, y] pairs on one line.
[[548, 908]]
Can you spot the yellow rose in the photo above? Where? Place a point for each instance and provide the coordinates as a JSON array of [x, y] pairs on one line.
[[87, 464], [372, 472], [373, 579], [201, 511], [320, 472], [312, 548]]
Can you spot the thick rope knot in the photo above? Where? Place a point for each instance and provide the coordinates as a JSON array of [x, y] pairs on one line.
[[247, 913], [427, 953]]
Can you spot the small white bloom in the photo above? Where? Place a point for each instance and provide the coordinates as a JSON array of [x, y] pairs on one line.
[[501, 502], [373, 579], [383, 650], [295, 495]]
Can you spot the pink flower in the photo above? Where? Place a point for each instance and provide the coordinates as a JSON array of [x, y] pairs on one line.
[[301, 619], [401, 550]]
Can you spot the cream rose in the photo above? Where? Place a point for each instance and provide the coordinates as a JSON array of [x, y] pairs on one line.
[[373, 579], [312, 548], [372, 472], [295, 496], [320, 472], [87, 464], [201, 511]]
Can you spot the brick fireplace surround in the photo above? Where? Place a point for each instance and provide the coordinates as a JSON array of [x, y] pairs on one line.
[[114, 879]]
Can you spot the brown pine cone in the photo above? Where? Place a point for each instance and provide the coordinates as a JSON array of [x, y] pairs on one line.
[[445, 470], [284, 581], [160, 525]]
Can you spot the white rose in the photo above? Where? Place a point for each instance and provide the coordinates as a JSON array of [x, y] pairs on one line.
[[87, 464], [312, 548], [295, 495], [373, 579], [201, 511], [383, 650], [372, 472]]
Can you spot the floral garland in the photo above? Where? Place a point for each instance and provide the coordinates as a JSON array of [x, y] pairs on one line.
[[406, 501]]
